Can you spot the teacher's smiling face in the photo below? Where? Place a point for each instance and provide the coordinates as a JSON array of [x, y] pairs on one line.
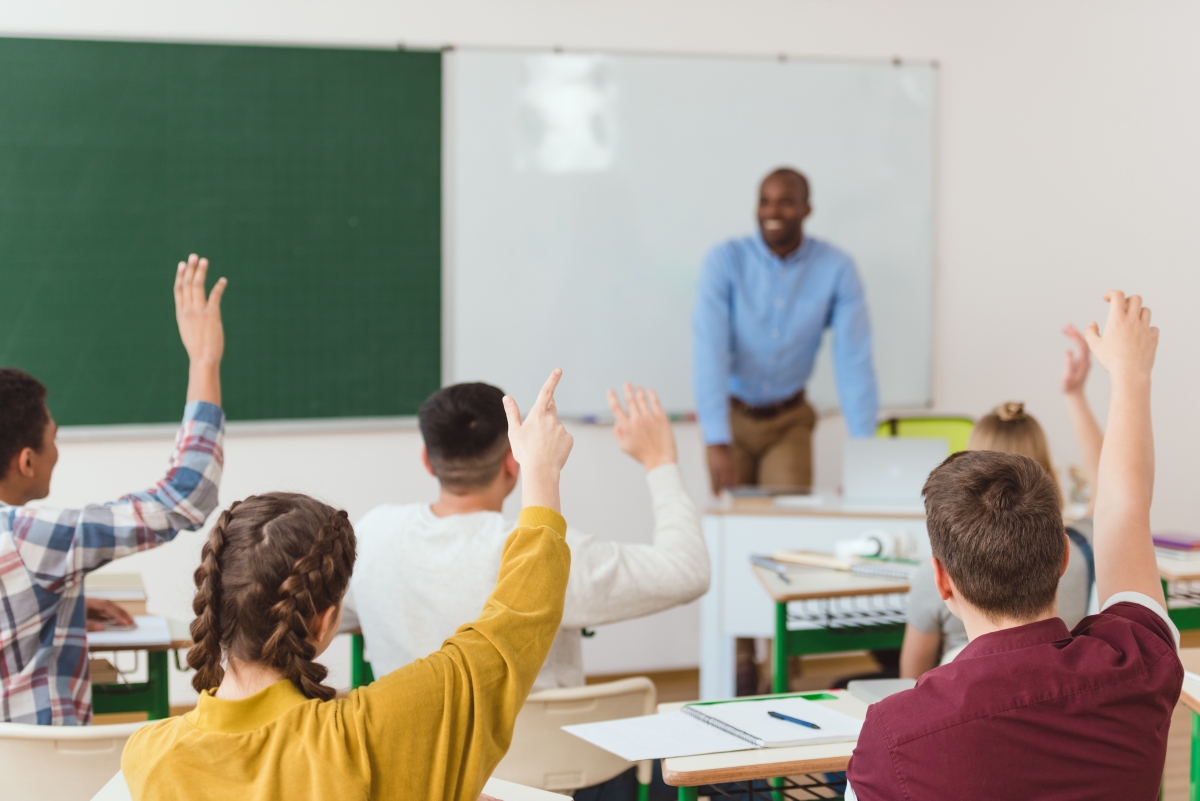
[[782, 207]]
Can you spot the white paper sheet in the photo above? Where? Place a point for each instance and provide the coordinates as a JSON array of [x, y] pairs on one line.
[[672, 734], [150, 631]]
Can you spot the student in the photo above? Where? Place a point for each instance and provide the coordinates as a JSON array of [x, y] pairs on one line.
[[45, 553], [268, 598], [427, 566], [933, 634], [1030, 709]]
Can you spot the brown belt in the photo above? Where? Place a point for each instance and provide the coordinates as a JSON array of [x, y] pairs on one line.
[[767, 412]]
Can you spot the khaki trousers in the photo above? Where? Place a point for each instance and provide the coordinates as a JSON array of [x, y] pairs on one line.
[[775, 452]]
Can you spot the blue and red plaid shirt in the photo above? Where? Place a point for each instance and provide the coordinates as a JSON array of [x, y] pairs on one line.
[[45, 553]]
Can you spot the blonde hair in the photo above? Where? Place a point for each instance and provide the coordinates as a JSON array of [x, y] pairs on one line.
[[1010, 429]]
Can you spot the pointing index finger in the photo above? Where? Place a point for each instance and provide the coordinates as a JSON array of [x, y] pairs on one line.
[[546, 395]]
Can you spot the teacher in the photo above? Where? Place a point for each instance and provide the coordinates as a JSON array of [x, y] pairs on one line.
[[762, 306]]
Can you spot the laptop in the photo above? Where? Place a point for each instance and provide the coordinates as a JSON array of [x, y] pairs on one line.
[[889, 472]]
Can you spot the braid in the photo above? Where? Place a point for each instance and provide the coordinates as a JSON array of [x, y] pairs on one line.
[[270, 565], [206, 654], [301, 597]]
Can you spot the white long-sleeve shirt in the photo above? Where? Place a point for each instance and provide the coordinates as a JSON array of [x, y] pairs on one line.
[[418, 577]]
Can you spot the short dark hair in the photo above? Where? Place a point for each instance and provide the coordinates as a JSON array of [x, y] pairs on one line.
[[466, 434], [995, 523], [791, 174], [23, 415]]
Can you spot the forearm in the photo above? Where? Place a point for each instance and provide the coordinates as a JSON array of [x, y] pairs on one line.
[[614, 581], [1088, 435], [854, 369], [204, 381], [1124, 552], [540, 488], [919, 652]]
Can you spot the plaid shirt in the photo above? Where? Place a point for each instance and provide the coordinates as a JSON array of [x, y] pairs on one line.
[[45, 553]]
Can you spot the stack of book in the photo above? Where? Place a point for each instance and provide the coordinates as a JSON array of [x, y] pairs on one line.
[[1178, 547]]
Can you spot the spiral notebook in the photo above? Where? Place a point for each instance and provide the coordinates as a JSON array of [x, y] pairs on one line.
[[719, 726], [750, 721]]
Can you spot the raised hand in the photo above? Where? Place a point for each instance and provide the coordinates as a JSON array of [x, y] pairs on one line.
[[645, 431], [199, 320], [540, 445], [1079, 362], [1129, 342]]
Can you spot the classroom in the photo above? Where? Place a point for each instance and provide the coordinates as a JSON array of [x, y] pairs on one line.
[[598, 400]]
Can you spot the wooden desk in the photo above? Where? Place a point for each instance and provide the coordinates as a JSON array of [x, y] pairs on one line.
[[843, 630], [689, 774], [735, 605]]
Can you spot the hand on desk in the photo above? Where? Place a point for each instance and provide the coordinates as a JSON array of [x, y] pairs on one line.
[[100, 612], [645, 431], [721, 468]]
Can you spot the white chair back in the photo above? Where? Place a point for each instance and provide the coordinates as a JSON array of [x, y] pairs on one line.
[[546, 757], [60, 763]]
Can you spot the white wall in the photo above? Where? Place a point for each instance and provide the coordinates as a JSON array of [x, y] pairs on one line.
[[1068, 166]]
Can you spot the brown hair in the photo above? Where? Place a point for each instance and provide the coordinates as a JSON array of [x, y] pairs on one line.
[[995, 524], [1010, 429], [271, 563]]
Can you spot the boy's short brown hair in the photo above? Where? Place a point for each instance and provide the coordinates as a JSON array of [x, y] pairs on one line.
[[995, 524]]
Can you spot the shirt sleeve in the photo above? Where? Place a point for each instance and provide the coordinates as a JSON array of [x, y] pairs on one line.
[[1141, 599], [871, 769], [59, 546], [712, 347], [924, 601], [852, 365], [613, 581], [437, 727]]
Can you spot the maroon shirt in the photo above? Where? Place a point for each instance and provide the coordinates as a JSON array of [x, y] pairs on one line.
[[1031, 712]]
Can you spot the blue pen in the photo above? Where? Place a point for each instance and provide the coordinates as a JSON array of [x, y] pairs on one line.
[[791, 719]]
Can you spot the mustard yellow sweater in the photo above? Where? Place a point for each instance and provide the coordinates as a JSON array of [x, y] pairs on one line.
[[433, 729]]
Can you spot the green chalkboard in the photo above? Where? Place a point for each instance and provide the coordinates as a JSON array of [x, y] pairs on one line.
[[311, 178]]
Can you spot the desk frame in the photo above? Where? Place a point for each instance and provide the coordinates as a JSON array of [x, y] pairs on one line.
[[152, 696]]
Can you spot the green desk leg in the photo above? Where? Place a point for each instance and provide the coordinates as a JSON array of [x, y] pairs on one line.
[[689, 794], [779, 654], [152, 696], [643, 792], [360, 669], [1194, 784]]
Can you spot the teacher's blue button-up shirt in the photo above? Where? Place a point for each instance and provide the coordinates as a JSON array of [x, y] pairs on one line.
[[758, 323]]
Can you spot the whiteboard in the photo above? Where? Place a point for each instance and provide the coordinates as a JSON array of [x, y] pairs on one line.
[[583, 191]]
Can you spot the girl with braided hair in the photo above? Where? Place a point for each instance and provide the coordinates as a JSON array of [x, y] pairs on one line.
[[269, 592]]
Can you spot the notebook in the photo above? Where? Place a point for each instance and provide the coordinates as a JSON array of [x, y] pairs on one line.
[[678, 734], [1177, 541], [751, 721]]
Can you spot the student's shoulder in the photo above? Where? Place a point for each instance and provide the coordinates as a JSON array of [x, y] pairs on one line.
[[388, 518], [1133, 620]]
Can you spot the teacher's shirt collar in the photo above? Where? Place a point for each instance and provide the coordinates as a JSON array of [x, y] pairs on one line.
[[806, 246]]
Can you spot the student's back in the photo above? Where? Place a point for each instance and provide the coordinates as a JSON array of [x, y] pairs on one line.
[[1035, 707], [1028, 710], [424, 566]]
